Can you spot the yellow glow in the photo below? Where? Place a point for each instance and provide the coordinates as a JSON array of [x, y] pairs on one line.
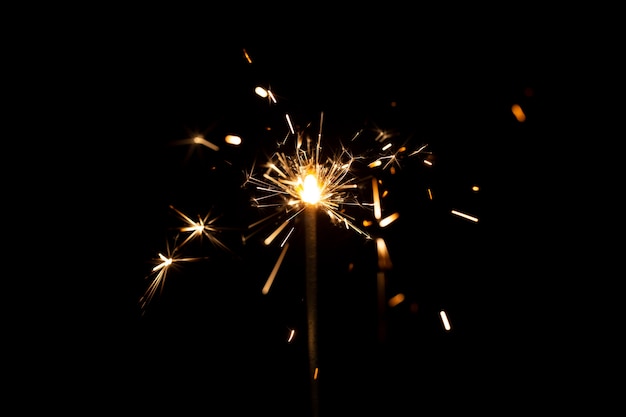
[[233, 140], [261, 92], [518, 112], [311, 192], [475, 188]]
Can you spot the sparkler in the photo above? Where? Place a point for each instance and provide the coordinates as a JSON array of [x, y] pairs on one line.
[[303, 182], [299, 180]]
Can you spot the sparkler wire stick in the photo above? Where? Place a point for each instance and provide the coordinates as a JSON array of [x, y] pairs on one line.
[[310, 221], [310, 233]]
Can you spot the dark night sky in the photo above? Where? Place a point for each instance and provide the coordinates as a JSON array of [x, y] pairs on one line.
[[212, 340]]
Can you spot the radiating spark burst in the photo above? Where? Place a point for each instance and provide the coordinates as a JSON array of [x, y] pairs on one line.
[[287, 175], [159, 273], [388, 155], [205, 227]]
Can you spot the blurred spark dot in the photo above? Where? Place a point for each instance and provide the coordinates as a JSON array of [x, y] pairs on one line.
[[232, 140], [518, 113], [396, 299], [261, 92]]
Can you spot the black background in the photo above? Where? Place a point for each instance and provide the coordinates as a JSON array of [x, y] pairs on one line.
[[120, 89]]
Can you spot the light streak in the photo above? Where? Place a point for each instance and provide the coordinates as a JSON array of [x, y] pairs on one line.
[[384, 260], [270, 279], [197, 140], [389, 219], [247, 56], [464, 215], [444, 320], [265, 93], [396, 299]]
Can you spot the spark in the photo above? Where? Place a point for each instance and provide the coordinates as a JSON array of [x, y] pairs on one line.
[[444, 320], [203, 228], [233, 140], [384, 260], [265, 93], [464, 215], [292, 334], [198, 140], [519, 114], [389, 219], [390, 155], [159, 273], [247, 56], [270, 280], [293, 180], [396, 299]]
